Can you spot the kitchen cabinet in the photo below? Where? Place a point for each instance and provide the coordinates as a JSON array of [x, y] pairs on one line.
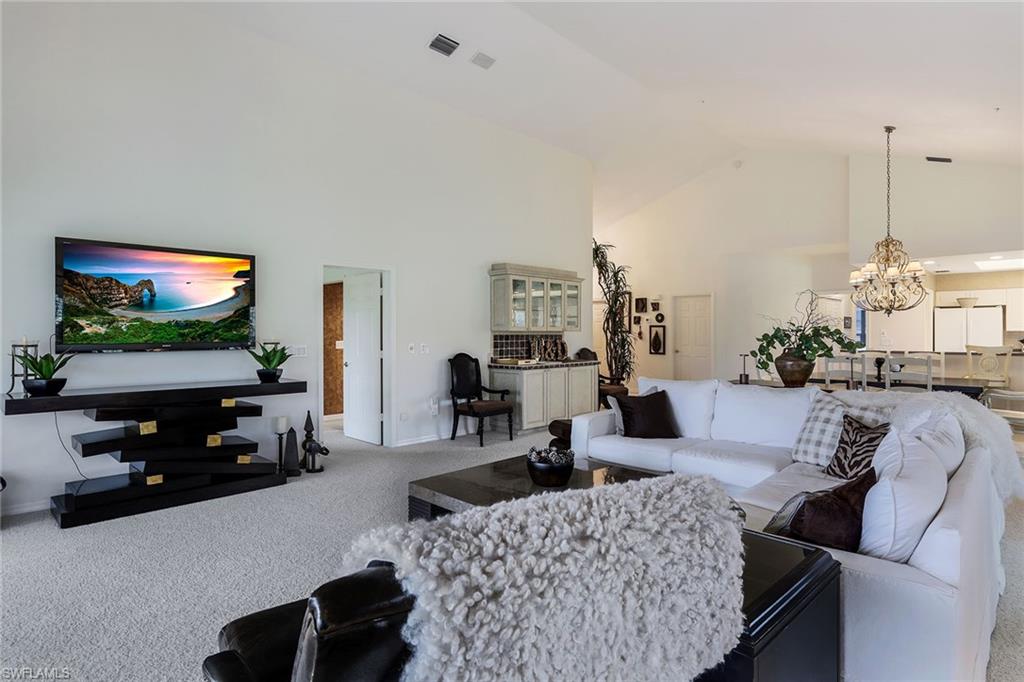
[[534, 300], [542, 393], [956, 328], [1015, 310]]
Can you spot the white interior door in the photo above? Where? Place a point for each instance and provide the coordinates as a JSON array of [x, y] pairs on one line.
[[362, 368], [692, 324], [985, 326]]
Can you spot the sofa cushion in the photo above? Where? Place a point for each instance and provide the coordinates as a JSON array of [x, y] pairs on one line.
[[613, 405], [653, 454], [943, 434], [774, 491], [732, 463], [646, 416], [760, 415], [856, 450], [910, 489], [693, 403], [819, 435], [830, 518]]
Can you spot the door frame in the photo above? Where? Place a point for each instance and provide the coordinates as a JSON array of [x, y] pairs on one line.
[[673, 324], [388, 321]]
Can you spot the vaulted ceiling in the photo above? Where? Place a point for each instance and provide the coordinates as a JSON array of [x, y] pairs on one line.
[[656, 93]]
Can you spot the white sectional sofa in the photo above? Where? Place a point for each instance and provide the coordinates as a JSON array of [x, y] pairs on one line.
[[930, 618]]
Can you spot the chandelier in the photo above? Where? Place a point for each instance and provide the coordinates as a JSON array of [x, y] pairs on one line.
[[889, 281]]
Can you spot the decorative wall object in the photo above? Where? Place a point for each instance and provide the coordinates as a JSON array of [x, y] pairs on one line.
[[641, 305], [659, 318], [655, 306], [657, 340], [847, 322], [636, 320]]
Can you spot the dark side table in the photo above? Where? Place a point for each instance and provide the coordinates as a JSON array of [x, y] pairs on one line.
[[791, 614]]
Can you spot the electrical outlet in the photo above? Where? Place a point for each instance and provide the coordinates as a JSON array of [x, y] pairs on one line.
[[412, 348], [424, 348], [299, 351], [435, 407]]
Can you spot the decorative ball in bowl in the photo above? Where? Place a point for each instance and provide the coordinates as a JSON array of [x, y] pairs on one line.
[[550, 467]]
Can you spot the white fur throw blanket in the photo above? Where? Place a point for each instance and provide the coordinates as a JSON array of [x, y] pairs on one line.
[[638, 580], [981, 427]]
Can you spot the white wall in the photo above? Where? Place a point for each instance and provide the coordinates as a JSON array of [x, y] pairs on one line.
[[938, 209], [151, 124], [750, 236]]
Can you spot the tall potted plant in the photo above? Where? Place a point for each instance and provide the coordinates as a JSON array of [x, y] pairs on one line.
[[618, 339], [803, 339]]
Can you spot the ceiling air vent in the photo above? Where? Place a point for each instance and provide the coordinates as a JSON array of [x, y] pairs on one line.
[[941, 272], [443, 44], [939, 159], [484, 61]]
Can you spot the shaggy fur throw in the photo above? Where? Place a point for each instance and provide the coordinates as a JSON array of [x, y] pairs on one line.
[[982, 428], [632, 581]]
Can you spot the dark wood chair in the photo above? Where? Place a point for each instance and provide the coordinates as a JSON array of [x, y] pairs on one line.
[[606, 385], [467, 385]]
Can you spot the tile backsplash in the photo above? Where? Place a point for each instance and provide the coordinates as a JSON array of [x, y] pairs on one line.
[[518, 345]]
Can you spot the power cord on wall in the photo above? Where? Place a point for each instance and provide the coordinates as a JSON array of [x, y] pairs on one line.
[[71, 456]]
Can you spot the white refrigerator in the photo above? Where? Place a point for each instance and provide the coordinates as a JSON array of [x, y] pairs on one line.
[[956, 328]]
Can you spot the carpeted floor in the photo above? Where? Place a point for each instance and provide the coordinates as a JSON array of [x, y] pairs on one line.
[[142, 598]]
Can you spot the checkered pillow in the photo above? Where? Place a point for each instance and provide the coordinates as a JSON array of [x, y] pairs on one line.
[[819, 436]]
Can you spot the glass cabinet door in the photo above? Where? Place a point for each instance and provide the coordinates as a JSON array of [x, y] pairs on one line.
[[555, 312], [538, 303], [572, 306], [518, 303]]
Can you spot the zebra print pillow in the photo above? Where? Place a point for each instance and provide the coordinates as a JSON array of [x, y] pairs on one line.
[[857, 445]]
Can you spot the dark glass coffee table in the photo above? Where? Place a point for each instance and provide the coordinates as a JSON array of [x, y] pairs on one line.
[[790, 589], [501, 481]]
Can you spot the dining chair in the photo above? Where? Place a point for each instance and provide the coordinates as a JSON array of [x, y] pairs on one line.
[[467, 385], [920, 372], [850, 369], [993, 364], [937, 358], [1015, 417]]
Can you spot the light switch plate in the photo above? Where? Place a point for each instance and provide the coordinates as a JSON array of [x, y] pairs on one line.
[[299, 351], [424, 348], [339, 345], [412, 348]]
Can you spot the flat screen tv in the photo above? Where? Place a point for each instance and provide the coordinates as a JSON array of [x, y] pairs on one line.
[[126, 297]]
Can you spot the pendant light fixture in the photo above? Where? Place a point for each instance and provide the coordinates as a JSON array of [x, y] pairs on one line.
[[890, 280]]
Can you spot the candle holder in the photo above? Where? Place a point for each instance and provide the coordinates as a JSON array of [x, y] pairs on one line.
[[26, 347], [744, 377], [280, 429]]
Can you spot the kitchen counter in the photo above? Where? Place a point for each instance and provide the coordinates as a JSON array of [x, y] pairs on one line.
[[544, 364]]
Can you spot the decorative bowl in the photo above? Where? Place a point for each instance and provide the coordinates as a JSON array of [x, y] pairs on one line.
[[269, 376], [967, 302], [42, 387], [549, 475]]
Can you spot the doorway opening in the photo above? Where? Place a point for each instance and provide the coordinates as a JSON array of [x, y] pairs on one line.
[[693, 337], [354, 358]]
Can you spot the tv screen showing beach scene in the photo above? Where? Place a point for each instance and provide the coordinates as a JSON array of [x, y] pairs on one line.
[[126, 297]]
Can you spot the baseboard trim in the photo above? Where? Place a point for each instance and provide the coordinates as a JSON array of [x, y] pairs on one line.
[[417, 441], [26, 507]]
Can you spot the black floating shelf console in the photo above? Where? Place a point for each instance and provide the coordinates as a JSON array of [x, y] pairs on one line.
[[177, 453]]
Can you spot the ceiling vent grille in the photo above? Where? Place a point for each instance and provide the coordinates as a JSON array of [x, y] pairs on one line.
[[939, 159], [443, 44], [484, 61]]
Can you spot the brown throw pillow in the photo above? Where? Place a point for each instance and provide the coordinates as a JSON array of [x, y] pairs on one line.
[[647, 416], [856, 449], [831, 518]]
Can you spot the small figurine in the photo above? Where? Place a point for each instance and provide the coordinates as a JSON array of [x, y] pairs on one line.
[[311, 448], [291, 454]]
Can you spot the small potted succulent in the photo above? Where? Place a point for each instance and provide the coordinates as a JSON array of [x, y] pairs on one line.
[[803, 339], [550, 467], [45, 368], [270, 358]]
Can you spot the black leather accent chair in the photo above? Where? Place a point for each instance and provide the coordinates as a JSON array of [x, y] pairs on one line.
[[467, 385], [348, 629]]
